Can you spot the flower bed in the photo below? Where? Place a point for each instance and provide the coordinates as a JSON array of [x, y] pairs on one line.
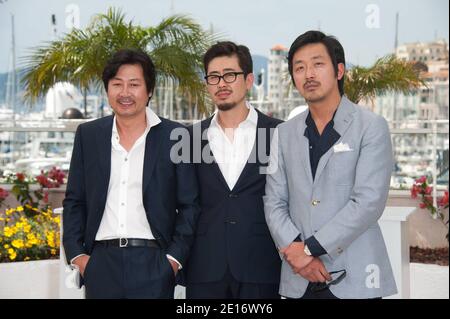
[[422, 190], [30, 231]]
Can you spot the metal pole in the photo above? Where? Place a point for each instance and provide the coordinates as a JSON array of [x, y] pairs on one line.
[[434, 168], [13, 72]]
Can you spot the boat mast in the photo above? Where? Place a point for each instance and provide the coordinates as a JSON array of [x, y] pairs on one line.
[[13, 84]]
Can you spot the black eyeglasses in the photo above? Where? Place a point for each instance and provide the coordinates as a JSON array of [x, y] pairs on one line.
[[228, 77], [336, 276]]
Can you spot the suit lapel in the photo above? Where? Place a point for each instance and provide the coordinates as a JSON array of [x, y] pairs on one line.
[[103, 140], [252, 160], [152, 145], [304, 147], [206, 147], [342, 121]]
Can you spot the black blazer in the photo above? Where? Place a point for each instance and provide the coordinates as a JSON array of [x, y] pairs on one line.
[[170, 191], [232, 231]]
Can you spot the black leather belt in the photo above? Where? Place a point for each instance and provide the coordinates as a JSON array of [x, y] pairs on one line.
[[129, 242]]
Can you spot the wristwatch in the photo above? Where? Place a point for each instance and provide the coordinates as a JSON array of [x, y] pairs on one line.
[[307, 251]]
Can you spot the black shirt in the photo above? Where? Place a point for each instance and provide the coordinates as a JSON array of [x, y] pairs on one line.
[[318, 145]]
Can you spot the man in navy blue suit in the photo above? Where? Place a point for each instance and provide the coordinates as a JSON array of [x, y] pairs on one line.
[[130, 211], [233, 255]]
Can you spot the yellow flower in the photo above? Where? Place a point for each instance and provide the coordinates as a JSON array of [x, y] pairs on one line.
[[17, 243], [27, 228], [26, 258], [8, 231], [57, 220], [31, 240], [6, 246], [51, 239], [53, 251], [12, 254], [19, 209]]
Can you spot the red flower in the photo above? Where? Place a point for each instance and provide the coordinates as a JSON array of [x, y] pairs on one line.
[[3, 194], [422, 205], [428, 190], [421, 180], [20, 177], [43, 180], [443, 201], [414, 191], [56, 175]]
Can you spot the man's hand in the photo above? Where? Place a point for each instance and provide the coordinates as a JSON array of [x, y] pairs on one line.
[[81, 263], [295, 256], [315, 271], [174, 266]]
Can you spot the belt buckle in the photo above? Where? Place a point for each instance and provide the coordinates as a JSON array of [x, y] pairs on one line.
[[123, 244]]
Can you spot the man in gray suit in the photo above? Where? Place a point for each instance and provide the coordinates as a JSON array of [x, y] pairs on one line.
[[328, 184]]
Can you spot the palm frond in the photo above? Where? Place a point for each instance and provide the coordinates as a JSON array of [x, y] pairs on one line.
[[388, 74], [176, 46]]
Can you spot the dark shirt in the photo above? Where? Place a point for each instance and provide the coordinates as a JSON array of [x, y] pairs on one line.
[[318, 145]]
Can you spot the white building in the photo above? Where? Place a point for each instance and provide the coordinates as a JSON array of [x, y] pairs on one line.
[[423, 52], [430, 102], [281, 95], [278, 76]]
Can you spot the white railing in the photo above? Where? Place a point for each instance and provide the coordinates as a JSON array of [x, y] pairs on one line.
[[420, 147]]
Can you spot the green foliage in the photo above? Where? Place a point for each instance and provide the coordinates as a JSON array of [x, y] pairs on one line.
[[176, 46]]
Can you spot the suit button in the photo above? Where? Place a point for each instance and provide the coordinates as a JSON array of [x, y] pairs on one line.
[[232, 195], [231, 222], [315, 202], [340, 250]]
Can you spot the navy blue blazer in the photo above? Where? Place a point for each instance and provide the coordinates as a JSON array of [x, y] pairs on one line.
[[232, 231], [170, 191]]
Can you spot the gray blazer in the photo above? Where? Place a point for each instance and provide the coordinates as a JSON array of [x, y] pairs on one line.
[[341, 207]]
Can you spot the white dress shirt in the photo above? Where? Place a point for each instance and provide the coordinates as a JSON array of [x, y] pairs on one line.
[[231, 156], [124, 214]]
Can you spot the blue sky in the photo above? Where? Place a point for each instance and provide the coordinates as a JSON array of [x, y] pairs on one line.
[[365, 28]]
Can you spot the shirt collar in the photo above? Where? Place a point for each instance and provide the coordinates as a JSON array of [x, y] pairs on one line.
[[252, 117], [311, 127], [150, 116]]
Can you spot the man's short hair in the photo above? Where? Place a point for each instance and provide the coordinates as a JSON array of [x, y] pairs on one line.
[[228, 48], [334, 48], [130, 56]]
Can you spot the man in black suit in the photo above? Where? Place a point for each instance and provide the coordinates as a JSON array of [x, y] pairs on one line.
[[129, 210], [233, 255]]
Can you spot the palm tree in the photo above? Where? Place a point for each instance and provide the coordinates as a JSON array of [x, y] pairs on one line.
[[388, 74], [176, 46]]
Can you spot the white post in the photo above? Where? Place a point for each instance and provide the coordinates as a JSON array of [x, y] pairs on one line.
[[434, 166], [394, 226]]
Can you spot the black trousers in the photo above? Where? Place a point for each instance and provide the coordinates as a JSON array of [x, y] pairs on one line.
[[323, 294], [132, 272], [230, 288]]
